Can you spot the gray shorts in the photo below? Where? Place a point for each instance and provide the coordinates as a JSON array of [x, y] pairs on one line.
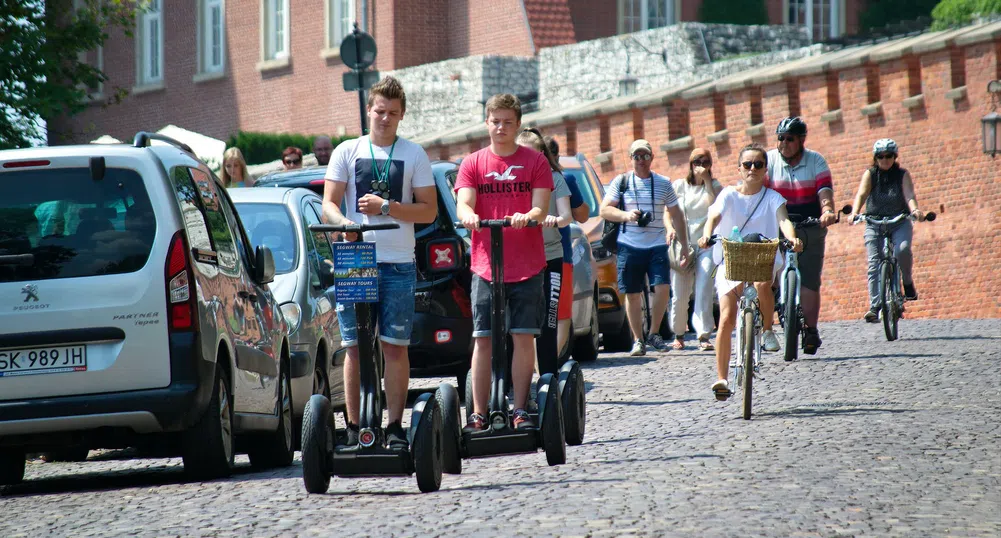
[[811, 260], [526, 305]]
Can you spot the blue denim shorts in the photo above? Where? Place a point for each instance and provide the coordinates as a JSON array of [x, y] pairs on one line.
[[635, 263], [395, 309]]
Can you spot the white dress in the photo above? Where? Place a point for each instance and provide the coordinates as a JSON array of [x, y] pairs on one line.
[[734, 209]]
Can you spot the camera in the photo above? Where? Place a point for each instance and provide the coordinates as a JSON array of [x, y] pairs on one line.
[[644, 218]]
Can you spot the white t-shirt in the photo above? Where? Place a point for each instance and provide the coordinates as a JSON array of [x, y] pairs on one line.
[[551, 236], [653, 194], [352, 163], [734, 209]]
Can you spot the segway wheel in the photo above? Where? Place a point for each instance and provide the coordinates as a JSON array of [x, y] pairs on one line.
[[551, 419], [469, 395], [574, 403], [426, 447], [451, 430], [317, 442]]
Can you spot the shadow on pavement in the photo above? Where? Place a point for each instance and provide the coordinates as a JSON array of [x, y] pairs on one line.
[[968, 337], [604, 361], [664, 458], [880, 356], [491, 486], [641, 402], [163, 475], [609, 441], [807, 412]]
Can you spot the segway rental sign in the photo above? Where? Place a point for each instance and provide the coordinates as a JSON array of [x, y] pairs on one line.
[[356, 275]]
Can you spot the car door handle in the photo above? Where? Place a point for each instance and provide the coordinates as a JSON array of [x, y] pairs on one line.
[[243, 294]]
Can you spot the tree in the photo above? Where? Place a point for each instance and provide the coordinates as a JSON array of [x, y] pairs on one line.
[[879, 14], [956, 12], [733, 12], [42, 72]]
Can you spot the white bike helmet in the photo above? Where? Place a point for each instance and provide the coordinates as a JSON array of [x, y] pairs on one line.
[[884, 145]]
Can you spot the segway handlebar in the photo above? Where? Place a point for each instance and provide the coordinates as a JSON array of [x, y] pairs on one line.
[[498, 223], [349, 228]]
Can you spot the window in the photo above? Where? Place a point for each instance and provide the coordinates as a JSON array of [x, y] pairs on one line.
[[340, 20], [212, 40], [637, 15], [270, 225], [220, 234], [821, 17], [93, 58], [149, 43], [276, 29]]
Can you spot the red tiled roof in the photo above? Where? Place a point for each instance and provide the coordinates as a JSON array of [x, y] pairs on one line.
[[550, 22]]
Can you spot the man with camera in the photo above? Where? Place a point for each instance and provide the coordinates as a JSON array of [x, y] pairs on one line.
[[642, 200]]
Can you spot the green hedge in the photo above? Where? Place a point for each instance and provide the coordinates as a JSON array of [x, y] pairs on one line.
[[956, 12], [733, 12], [261, 148]]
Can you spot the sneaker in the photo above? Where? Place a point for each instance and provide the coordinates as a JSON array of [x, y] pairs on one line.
[[872, 316], [769, 341], [476, 423], [910, 294], [721, 389], [352, 435], [396, 436], [522, 420], [656, 342], [638, 349], [811, 340]]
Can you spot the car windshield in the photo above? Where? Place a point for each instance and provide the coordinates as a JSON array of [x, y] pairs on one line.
[[586, 189], [60, 223], [270, 225]]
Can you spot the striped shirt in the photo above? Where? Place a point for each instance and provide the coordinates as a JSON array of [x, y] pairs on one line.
[[800, 184], [636, 194]]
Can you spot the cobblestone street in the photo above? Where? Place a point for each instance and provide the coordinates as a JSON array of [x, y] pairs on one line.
[[867, 437]]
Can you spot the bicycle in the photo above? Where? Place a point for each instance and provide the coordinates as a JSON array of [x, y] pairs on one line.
[[891, 296], [791, 312], [749, 263]]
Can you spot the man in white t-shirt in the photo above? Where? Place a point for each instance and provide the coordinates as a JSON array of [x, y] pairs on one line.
[[648, 199], [385, 179]]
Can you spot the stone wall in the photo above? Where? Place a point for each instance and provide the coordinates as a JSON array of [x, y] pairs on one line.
[[447, 94], [572, 74]]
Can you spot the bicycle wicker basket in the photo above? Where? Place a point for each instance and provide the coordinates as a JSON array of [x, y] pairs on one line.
[[749, 262]]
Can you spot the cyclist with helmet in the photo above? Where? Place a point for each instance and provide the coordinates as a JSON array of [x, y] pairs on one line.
[[803, 178], [887, 190]]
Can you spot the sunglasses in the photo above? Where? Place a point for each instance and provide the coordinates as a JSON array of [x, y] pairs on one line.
[[642, 157], [886, 156], [705, 163], [758, 165], [784, 138], [293, 161]]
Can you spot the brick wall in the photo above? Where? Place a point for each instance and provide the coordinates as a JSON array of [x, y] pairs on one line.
[[957, 268]]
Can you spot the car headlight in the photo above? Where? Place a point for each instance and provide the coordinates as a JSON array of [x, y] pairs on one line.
[[293, 315], [599, 251]]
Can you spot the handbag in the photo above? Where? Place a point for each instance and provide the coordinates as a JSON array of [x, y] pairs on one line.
[[610, 232], [674, 250]]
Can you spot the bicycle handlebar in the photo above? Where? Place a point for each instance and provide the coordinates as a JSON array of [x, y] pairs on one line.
[[353, 228], [497, 223], [930, 216]]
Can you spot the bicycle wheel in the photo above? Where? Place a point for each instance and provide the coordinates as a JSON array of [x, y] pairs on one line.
[[791, 316], [747, 361], [887, 303]]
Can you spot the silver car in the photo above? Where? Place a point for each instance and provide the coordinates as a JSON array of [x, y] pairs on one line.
[[279, 218]]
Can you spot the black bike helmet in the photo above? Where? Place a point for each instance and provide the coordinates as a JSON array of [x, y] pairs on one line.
[[792, 125]]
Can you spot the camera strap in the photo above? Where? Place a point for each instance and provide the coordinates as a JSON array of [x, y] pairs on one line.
[[653, 201]]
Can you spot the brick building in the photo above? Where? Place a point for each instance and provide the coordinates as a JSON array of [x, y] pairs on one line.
[[218, 66], [928, 93]]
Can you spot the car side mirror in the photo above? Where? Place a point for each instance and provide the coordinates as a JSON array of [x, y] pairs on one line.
[[445, 255], [264, 265]]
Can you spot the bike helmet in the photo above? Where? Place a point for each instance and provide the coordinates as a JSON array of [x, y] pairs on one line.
[[792, 125], [884, 145]]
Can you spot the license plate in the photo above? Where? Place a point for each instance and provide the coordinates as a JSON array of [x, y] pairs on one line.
[[43, 360]]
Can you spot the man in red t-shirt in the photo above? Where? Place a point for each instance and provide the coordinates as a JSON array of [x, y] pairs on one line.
[[505, 180]]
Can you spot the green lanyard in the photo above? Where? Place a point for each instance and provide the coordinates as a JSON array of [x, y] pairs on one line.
[[382, 174]]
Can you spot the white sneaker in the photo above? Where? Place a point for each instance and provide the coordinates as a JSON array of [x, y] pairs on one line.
[[721, 388], [639, 349], [769, 341]]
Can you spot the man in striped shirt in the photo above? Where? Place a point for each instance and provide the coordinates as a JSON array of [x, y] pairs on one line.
[[647, 199], [803, 178]]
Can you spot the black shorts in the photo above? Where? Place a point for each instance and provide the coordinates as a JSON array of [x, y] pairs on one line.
[[525, 306]]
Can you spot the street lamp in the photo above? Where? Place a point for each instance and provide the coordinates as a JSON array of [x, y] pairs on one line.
[[990, 123]]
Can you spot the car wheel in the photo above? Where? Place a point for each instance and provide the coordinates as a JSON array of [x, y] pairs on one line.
[[620, 341], [585, 347], [276, 450], [11, 467], [76, 454], [207, 448]]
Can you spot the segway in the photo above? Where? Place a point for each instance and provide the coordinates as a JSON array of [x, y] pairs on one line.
[[323, 457], [500, 437]]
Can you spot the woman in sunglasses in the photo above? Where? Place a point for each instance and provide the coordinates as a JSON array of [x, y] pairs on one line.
[[292, 158], [753, 209], [887, 190]]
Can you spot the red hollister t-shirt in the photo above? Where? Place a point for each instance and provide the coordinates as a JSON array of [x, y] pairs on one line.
[[504, 187]]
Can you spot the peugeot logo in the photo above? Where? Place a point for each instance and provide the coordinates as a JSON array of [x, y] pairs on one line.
[[30, 293]]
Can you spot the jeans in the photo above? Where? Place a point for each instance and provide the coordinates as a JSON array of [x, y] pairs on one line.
[[395, 309], [682, 285], [900, 237]]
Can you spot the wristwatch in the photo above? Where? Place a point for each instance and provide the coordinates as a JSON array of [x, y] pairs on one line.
[[385, 207]]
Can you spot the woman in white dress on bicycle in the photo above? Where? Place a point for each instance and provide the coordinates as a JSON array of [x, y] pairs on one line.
[[753, 209]]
